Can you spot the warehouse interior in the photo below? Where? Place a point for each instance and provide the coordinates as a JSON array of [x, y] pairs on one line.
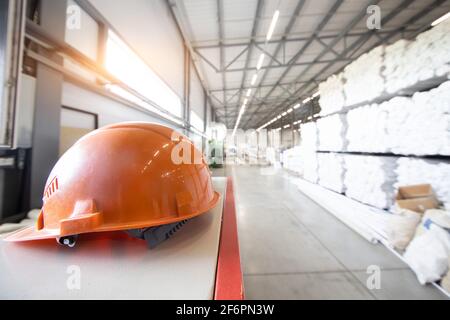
[[324, 126]]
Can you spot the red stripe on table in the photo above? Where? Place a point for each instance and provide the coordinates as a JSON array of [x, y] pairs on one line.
[[229, 274]]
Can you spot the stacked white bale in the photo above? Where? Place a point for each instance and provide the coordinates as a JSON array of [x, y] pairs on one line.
[[271, 155], [332, 133], [262, 145], [407, 63], [396, 67], [430, 50], [406, 126], [421, 125], [292, 160], [251, 139], [366, 129], [331, 171], [332, 97], [363, 78], [411, 171], [370, 179], [307, 149]]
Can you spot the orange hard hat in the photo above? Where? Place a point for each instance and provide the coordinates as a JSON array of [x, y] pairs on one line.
[[122, 177]]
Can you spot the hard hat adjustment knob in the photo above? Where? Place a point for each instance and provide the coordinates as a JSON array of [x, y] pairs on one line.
[[69, 241]]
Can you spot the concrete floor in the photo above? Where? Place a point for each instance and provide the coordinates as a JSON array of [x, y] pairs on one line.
[[291, 248]]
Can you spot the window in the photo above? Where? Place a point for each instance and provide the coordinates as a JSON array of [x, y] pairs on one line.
[[129, 68]]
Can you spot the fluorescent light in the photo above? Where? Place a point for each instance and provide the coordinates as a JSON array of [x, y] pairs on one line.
[[260, 61], [241, 112], [439, 20], [249, 92], [283, 114], [254, 79], [297, 106], [315, 94], [278, 117], [286, 126], [306, 100], [273, 23], [290, 110]]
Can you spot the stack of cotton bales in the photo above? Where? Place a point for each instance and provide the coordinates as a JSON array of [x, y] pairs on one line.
[[331, 171], [332, 97], [366, 129], [421, 125], [429, 52], [407, 63], [405, 126], [370, 179], [307, 149], [271, 155], [396, 68], [332, 133], [412, 171], [292, 160], [363, 78]]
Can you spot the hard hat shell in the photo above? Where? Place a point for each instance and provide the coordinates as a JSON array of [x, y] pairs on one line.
[[121, 177]]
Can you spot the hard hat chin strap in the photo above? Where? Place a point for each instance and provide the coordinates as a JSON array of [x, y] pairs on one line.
[[155, 235]]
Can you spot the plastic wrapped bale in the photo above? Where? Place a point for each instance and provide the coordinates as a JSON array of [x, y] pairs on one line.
[[332, 98], [331, 171], [366, 129], [332, 133], [370, 179], [363, 78]]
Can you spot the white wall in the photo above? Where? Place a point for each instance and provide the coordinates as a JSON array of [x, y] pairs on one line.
[[108, 110], [148, 27]]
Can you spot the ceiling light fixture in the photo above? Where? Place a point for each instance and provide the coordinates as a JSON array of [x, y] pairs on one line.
[[441, 19], [273, 23], [260, 61], [297, 106], [254, 79]]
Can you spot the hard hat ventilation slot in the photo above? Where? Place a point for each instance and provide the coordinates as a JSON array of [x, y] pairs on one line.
[[156, 235]]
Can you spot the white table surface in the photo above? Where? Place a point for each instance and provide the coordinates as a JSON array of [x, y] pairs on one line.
[[116, 266]]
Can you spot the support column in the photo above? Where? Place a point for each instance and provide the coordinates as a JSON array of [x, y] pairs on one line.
[[46, 127], [187, 88]]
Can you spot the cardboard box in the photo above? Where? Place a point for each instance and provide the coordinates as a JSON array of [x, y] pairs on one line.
[[417, 198]]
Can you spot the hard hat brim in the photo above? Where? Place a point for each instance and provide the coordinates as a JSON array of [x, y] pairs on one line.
[[30, 233]]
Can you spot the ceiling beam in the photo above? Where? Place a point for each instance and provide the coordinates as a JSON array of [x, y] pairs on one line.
[[288, 66], [290, 39], [306, 45], [256, 19], [286, 32], [365, 38], [262, 86]]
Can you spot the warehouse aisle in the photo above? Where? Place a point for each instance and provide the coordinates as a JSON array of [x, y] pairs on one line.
[[291, 248]]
